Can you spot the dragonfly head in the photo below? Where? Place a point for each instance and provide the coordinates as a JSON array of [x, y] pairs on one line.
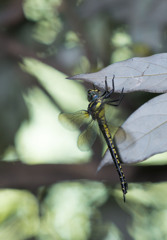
[[93, 94]]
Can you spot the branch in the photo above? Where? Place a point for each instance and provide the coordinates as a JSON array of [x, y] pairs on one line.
[[21, 176]]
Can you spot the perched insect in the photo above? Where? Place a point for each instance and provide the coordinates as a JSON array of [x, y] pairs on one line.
[[95, 115]]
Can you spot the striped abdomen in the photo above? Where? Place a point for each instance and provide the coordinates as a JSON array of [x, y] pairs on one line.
[[107, 135]]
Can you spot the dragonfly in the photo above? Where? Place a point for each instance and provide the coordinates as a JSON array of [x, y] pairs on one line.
[[94, 116]]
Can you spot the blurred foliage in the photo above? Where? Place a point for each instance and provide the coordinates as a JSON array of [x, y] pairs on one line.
[[12, 106], [73, 37], [147, 206], [38, 142], [70, 206], [46, 16], [18, 215]]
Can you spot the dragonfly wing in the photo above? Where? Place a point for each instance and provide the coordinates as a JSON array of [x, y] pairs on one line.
[[73, 121], [113, 115], [113, 129], [88, 137], [121, 136]]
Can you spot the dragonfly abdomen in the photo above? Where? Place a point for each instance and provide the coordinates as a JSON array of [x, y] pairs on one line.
[[107, 135]]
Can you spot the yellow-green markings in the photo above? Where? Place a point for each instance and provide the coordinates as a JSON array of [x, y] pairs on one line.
[[96, 112]]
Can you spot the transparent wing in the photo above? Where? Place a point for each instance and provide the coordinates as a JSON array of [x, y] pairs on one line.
[[88, 136], [121, 135], [113, 129], [113, 115], [73, 121], [113, 119]]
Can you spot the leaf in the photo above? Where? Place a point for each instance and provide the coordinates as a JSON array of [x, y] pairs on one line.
[[144, 133], [136, 74]]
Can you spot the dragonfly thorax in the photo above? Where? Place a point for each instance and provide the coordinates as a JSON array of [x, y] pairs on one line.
[[95, 108]]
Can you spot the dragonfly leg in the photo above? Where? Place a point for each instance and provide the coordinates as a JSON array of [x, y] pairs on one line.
[[116, 102], [108, 93], [106, 88], [121, 96], [106, 85], [113, 86]]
